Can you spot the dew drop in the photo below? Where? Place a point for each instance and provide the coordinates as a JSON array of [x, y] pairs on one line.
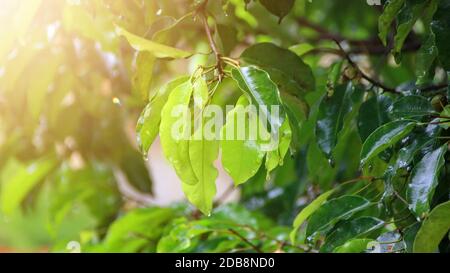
[[116, 101], [159, 12]]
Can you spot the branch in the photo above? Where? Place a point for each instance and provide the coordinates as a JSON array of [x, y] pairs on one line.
[[245, 240], [221, 199], [363, 75], [372, 46], [212, 44], [128, 191]]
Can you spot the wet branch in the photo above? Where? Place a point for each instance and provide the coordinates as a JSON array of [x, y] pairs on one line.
[[212, 43]]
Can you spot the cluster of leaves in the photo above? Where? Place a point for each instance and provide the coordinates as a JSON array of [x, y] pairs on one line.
[[363, 128]]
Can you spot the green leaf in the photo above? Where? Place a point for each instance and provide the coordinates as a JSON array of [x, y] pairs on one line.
[[285, 68], [145, 61], [433, 229], [275, 158], [202, 154], [307, 211], [441, 28], [330, 120], [158, 50], [347, 230], [175, 131], [385, 137], [137, 229], [420, 141], [257, 84], [280, 8], [354, 246], [372, 114], [424, 179], [297, 111], [444, 122], [414, 107], [426, 56], [391, 9], [18, 180], [246, 165], [409, 235], [147, 127], [333, 211], [143, 74]]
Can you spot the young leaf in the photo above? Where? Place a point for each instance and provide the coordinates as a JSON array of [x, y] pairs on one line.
[[347, 230], [147, 127], [333, 211], [425, 176], [384, 137], [257, 84], [414, 107], [241, 158], [307, 211], [176, 147], [433, 229], [202, 154], [285, 68], [390, 11], [280, 8], [330, 120], [158, 50], [373, 114]]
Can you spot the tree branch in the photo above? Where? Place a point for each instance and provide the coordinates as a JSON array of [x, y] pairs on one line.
[[372, 46], [212, 43], [256, 248], [363, 75]]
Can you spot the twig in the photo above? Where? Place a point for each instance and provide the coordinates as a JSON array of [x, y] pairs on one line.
[[377, 83], [363, 75], [212, 43], [256, 248], [434, 87], [371, 46], [401, 198]]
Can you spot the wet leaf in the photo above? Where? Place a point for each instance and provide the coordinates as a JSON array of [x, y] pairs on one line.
[[384, 137], [424, 179]]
